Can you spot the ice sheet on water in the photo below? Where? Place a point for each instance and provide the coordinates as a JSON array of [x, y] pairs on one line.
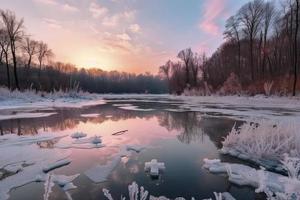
[[26, 115], [21, 154], [92, 115], [56, 165]]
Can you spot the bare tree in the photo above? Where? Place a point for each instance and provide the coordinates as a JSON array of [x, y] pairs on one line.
[[296, 47], [232, 32], [43, 53], [4, 44], [30, 47], [14, 29], [186, 56], [251, 17], [269, 13]]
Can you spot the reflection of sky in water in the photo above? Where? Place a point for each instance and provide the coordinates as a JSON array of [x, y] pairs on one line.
[[181, 140]]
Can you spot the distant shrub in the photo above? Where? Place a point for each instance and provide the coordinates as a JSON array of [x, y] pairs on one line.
[[231, 86]]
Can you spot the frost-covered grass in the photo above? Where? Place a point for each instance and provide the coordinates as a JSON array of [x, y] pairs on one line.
[[31, 99], [266, 140], [139, 193]]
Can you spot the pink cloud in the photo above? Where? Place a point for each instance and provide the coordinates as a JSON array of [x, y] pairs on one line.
[[213, 11]]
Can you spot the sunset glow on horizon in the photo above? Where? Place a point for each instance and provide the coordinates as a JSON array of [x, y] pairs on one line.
[[125, 35]]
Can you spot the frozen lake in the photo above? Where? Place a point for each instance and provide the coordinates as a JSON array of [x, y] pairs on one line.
[[180, 138]]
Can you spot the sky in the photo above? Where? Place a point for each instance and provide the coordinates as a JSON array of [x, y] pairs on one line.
[[125, 35]]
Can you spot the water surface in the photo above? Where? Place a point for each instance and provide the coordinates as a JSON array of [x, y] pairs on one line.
[[179, 139]]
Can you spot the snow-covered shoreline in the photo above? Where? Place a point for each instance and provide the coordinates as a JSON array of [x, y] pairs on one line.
[[236, 107]]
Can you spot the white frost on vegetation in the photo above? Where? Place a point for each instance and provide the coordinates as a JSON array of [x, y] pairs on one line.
[[16, 100], [263, 142], [64, 182], [139, 193]]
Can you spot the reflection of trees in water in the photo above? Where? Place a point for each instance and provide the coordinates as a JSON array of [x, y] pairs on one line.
[[187, 123], [68, 119], [192, 126]]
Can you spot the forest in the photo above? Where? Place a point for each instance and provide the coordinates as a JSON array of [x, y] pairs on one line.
[[259, 55], [28, 64]]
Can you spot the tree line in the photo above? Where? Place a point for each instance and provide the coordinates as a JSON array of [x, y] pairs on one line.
[[28, 64], [260, 47]]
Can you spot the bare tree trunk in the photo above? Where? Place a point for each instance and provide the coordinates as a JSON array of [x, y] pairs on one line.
[[7, 71], [15, 65], [295, 48], [251, 59]]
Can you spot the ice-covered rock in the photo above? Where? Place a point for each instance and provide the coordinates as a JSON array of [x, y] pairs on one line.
[[154, 167]]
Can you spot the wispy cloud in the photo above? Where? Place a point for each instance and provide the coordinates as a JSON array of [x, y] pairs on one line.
[[70, 8], [52, 23], [135, 28], [47, 2], [213, 11], [97, 10]]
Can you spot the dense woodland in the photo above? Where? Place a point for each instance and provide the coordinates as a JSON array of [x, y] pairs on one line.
[[27, 64], [260, 55]]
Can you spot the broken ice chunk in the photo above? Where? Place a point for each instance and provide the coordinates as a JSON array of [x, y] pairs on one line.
[[154, 167], [78, 135]]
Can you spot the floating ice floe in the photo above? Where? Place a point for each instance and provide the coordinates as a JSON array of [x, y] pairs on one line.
[[82, 143], [90, 115], [78, 135], [154, 167], [135, 192], [26, 115], [100, 173], [132, 107]]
